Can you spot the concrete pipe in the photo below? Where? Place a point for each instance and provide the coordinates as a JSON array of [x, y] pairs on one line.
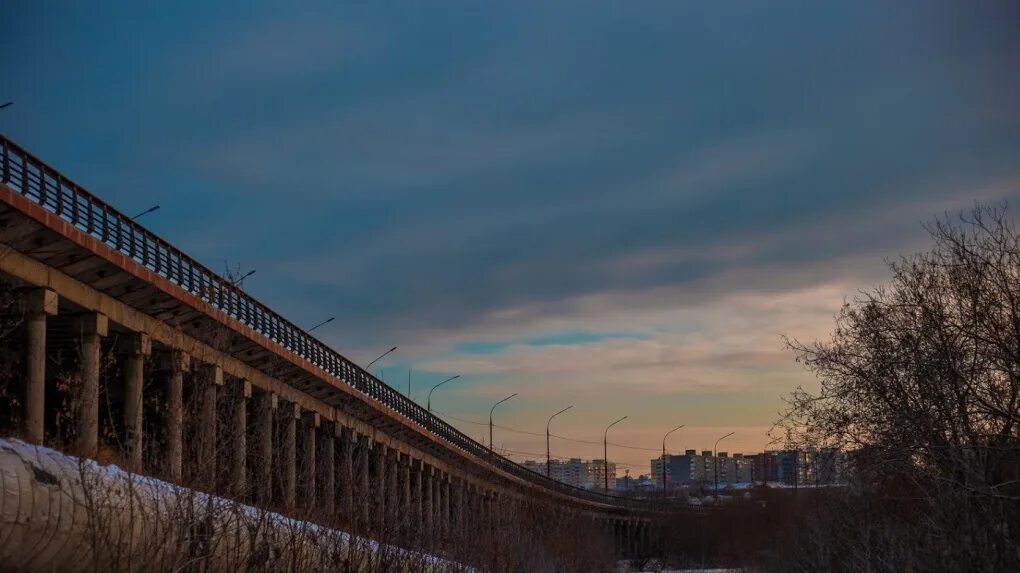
[[61, 513]]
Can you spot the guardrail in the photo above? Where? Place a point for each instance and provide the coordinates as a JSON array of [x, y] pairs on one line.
[[40, 183]]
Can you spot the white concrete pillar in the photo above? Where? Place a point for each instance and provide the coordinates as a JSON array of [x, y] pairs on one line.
[[310, 427], [136, 348], [266, 413], [210, 380], [240, 393], [39, 303], [90, 327], [288, 453], [179, 363], [327, 469]]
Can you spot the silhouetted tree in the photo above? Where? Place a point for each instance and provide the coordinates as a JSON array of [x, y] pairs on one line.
[[920, 383]]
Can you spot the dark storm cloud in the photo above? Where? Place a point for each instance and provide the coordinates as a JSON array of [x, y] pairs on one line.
[[417, 169]]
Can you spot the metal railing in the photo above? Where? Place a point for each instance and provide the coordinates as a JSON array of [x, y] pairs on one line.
[[41, 184]]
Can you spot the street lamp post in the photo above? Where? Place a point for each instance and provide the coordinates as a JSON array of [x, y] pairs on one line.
[[548, 455], [664, 458], [240, 280], [437, 386], [605, 453], [323, 323], [493, 410], [380, 357], [715, 455], [146, 212]]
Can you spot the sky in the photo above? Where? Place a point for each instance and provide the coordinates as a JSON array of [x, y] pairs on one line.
[[619, 206]]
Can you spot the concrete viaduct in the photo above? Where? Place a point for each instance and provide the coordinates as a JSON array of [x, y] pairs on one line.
[[250, 406]]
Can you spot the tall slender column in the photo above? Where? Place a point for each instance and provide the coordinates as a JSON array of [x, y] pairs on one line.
[[310, 427], [404, 513], [348, 442], [288, 452], [240, 393], [417, 496], [327, 469], [427, 501], [444, 504], [405, 488], [379, 485], [364, 484], [266, 412], [483, 508], [210, 380], [136, 348], [179, 364], [458, 507], [471, 503], [392, 495], [39, 303], [91, 327]]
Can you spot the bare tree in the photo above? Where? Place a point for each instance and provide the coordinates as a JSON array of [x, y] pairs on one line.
[[920, 383]]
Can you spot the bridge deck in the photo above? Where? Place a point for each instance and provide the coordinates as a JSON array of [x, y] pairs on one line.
[[52, 220]]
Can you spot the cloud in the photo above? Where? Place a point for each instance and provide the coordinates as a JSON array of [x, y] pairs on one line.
[[622, 203]]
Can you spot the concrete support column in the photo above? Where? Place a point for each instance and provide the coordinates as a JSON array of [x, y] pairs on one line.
[[91, 327], [417, 495], [404, 513], [288, 453], [210, 380], [458, 507], [239, 395], [179, 364], [327, 469], [364, 484], [379, 485], [265, 413], [310, 428], [444, 505], [348, 442], [477, 521], [392, 493], [39, 303], [136, 348], [427, 501], [486, 510]]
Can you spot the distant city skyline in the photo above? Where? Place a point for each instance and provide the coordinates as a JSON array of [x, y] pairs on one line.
[[619, 207]]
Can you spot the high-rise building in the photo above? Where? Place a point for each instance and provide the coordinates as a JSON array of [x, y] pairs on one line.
[[597, 470], [578, 473]]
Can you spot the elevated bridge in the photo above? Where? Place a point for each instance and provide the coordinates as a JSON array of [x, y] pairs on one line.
[[174, 371]]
